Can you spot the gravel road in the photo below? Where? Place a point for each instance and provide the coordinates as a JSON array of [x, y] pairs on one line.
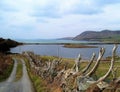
[[23, 85]]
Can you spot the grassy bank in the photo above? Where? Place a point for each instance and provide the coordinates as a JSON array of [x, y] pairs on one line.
[[6, 73], [41, 85], [6, 66], [19, 70]]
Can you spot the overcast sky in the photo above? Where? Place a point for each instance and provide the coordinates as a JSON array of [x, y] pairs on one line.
[[44, 19]]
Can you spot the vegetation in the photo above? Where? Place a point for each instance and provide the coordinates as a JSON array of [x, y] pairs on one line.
[[42, 85], [6, 66], [6, 44], [79, 46], [39, 84], [6, 62], [103, 68], [19, 71], [104, 36], [115, 38]]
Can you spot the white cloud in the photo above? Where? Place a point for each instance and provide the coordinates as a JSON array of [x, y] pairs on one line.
[[57, 18]]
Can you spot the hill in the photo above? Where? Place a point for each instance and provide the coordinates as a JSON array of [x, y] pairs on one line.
[[65, 38], [6, 44], [104, 35]]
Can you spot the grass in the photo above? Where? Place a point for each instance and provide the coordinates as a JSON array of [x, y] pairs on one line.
[[19, 71], [6, 66], [78, 46], [41, 85], [7, 73], [103, 68], [115, 38], [37, 82]]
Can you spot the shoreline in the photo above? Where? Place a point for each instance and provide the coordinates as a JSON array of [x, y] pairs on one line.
[[73, 45], [100, 43]]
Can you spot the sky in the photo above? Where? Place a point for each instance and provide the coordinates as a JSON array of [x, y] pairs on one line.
[[48, 19]]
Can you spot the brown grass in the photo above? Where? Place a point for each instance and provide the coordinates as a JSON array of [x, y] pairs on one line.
[[6, 65], [78, 46]]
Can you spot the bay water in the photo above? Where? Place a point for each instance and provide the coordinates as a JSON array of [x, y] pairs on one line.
[[60, 51]]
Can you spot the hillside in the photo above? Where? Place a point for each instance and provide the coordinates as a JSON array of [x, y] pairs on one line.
[[104, 35], [6, 44], [65, 38]]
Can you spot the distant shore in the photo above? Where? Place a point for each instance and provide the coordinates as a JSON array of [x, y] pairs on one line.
[[98, 43], [92, 43], [79, 46], [73, 45]]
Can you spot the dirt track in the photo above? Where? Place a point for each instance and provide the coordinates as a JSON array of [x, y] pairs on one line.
[[23, 85]]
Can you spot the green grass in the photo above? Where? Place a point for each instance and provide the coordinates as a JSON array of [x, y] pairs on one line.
[[103, 68], [115, 38], [19, 71], [38, 83]]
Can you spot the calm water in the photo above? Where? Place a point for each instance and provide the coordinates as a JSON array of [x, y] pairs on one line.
[[59, 50], [52, 41]]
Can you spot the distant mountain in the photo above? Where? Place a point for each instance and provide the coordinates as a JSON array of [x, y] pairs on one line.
[[6, 44], [99, 36], [65, 38]]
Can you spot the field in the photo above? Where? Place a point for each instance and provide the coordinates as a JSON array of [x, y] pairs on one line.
[[115, 38]]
